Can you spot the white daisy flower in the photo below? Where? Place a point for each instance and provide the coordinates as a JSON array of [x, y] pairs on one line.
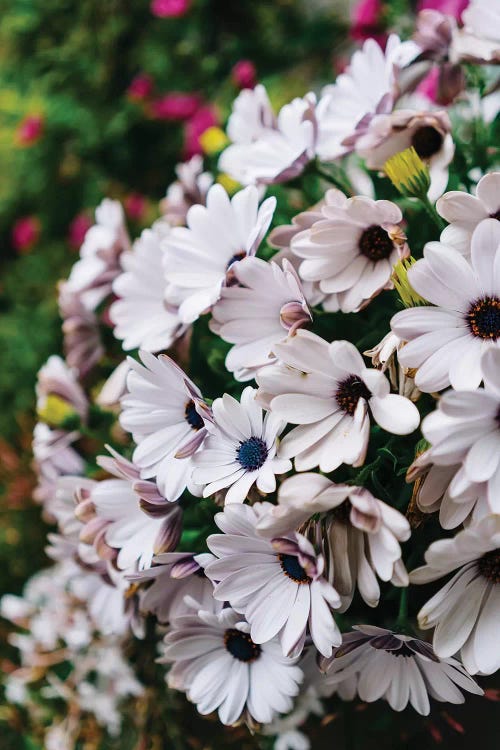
[[360, 535], [54, 456], [368, 87], [441, 488], [177, 580], [398, 668], [91, 276], [165, 413], [384, 357], [327, 390], [479, 39], [219, 666], [464, 211], [218, 235], [446, 341], [265, 151], [428, 132], [128, 514], [267, 304], [465, 429], [188, 190], [466, 610], [142, 318], [278, 584], [252, 114], [351, 250], [240, 450]]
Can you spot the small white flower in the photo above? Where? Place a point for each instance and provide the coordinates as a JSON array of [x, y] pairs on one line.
[[351, 250], [240, 450], [464, 211], [267, 304], [56, 378], [278, 584], [328, 392], [428, 132], [399, 668], [188, 190], [368, 87], [54, 456], [165, 413], [142, 318], [360, 534], [465, 429], [265, 150], [446, 340], [91, 276], [219, 666], [465, 612], [218, 235], [128, 514], [82, 341], [177, 581], [441, 488], [479, 39]]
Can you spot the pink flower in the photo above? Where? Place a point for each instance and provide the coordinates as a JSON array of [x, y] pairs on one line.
[[135, 206], [244, 74], [25, 233], [367, 22], [29, 130], [176, 106], [453, 8], [78, 229], [169, 8], [203, 119], [141, 87]]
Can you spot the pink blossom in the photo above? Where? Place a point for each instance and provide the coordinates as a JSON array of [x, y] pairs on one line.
[[244, 74], [429, 86], [453, 8], [29, 130], [367, 22], [25, 233], [78, 229], [203, 119], [169, 8], [135, 206], [141, 87], [175, 106]]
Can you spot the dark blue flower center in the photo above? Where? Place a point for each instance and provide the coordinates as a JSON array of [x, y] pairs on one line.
[[252, 453], [483, 318], [293, 569], [348, 393], [241, 646], [238, 256], [489, 566], [192, 417]]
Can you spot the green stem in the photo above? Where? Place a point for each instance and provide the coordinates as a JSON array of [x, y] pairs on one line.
[[339, 180], [432, 213], [403, 608]]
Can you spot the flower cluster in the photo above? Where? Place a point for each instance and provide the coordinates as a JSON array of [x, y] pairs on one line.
[[252, 497]]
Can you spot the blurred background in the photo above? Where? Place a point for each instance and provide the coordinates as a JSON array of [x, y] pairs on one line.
[[103, 98]]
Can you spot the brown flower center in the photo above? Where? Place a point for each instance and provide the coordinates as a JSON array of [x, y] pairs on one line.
[[375, 244], [427, 141], [349, 391]]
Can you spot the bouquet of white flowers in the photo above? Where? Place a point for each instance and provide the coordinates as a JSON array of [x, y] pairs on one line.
[[307, 426]]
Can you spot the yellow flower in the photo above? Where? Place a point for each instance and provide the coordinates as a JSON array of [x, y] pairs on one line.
[[408, 295], [55, 410], [213, 140], [408, 173]]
